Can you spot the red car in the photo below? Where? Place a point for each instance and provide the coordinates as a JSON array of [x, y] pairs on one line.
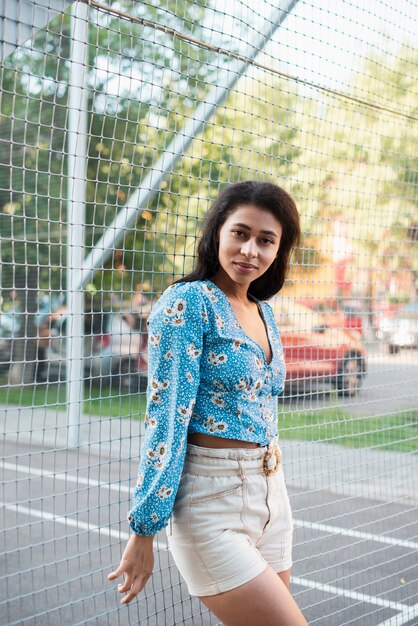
[[316, 353], [346, 315]]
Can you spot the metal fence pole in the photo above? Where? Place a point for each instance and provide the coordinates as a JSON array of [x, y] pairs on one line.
[[77, 170]]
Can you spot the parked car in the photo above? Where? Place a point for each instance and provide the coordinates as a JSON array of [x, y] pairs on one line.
[[115, 347], [128, 339], [52, 341], [10, 322], [354, 314], [400, 329], [382, 310], [346, 314], [9, 327], [316, 353]]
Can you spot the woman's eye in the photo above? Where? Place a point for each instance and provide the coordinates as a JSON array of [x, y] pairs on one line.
[[266, 241], [238, 232]]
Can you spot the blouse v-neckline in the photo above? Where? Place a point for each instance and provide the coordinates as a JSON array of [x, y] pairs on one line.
[[261, 312]]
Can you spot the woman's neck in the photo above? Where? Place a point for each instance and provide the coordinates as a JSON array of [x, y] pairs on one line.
[[232, 290]]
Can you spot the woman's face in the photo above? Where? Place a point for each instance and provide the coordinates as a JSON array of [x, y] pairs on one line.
[[249, 241]]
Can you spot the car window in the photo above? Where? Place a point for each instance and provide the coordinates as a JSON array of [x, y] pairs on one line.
[[8, 324], [95, 323], [295, 317]]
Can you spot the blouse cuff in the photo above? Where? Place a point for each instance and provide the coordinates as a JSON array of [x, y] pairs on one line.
[[141, 529]]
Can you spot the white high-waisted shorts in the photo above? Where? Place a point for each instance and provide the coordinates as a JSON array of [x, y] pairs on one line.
[[230, 520]]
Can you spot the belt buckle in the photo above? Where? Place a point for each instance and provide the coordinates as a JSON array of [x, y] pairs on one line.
[[271, 453]]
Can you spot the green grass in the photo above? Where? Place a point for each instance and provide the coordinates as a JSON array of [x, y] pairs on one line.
[[398, 431], [97, 401]]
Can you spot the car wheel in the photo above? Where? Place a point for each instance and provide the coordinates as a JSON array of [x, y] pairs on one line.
[[350, 376], [392, 348]]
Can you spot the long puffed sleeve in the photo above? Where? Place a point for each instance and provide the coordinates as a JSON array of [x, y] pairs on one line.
[[176, 331]]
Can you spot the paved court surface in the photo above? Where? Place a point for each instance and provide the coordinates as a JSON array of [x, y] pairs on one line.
[[356, 557]]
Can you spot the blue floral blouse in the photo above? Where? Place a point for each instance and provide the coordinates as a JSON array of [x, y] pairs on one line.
[[204, 375]]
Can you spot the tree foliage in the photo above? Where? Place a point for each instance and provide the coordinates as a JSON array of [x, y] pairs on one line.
[[338, 158]]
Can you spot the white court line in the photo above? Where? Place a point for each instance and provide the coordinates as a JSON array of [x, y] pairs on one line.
[[330, 589], [353, 595], [337, 530], [74, 523], [399, 620], [65, 521], [78, 480]]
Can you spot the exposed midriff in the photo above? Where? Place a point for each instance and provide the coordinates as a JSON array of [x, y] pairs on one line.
[[210, 441]]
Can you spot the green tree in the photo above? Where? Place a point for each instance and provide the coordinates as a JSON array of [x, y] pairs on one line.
[[129, 127], [359, 162]]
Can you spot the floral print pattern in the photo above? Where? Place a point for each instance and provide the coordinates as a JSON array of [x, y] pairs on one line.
[[204, 375], [155, 457], [217, 359], [164, 492], [212, 426]]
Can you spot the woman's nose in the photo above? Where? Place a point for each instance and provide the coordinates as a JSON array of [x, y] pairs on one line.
[[249, 248]]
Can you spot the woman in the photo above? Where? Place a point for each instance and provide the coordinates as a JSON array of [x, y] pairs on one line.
[[210, 466]]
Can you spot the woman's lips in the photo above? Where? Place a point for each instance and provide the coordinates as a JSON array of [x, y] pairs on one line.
[[245, 267]]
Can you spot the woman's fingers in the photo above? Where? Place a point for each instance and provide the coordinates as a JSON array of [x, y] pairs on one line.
[[131, 594], [118, 572], [132, 585], [136, 566], [127, 584], [136, 587]]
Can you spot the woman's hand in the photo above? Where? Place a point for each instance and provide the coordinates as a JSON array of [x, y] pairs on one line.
[[136, 564]]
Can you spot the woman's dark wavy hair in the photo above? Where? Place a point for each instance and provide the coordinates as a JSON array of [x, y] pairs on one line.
[[265, 196]]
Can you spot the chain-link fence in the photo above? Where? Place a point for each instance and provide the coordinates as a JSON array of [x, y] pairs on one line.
[[119, 123]]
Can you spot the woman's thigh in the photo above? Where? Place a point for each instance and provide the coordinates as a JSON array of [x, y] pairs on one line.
[[264, 600], [285, 577]]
